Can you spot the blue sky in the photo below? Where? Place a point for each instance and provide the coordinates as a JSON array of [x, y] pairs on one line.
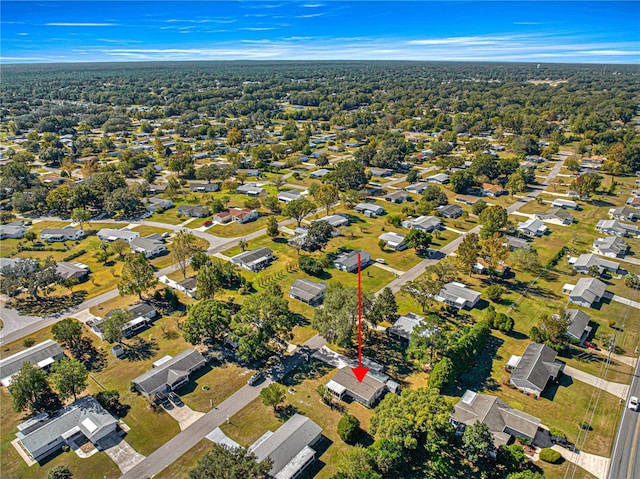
[[540, 31]]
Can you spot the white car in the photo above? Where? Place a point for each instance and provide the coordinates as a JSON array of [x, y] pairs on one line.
[[380, 260], [633, 403]]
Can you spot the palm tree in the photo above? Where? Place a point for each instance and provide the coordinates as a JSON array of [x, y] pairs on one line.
[[243, 244]]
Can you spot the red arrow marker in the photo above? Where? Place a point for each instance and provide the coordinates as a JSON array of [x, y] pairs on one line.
[[359, 372]]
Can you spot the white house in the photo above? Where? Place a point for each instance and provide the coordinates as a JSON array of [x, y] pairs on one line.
[[617, 228], [151, 246], [567, 204], [369, 209], [611, 246], [585, 292], [288, 196], [349, 261], [532, 227], [254, 260], [14, 230], [394, 241], [458, 295], [424, 223], [41, 355], [109, 235], [61, 234]]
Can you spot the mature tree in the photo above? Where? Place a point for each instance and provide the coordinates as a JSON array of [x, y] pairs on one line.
[[272, 203], [485, 165], [349, 428], [207, 319], [428, 340], [510, 459], [467, 253], [59, 199], [417, 417], [137, 275], [477, 442], [527, 259], [243, 243], [517, 182], [494, 250], [298, 209], [80, 216], [119, 247], [461, 181], [494, 292], [30, 236], [387, 455], [69, 376], [632, 281], [68, 332], [586, 185], [199, 259], [278, 182], [272, 227], [208, 280], [442, 374], [418, 239], [351, 197], [310, 265], [30, 389], [335, 320], [221, 462], [355, 463], [60, 472], [317, 237], [112, 325], [436, 195], [184, 245], [348, 175], [413, 176], [525, 475], [441, 148], [208, 173], [326, 195], [572, 163], [273, 395], [31, 275], [386, 307], [493, 219], [479, 207], [424, 289], [552, 331]]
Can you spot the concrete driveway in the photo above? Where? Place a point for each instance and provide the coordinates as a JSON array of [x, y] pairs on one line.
[[617, 389], [120, 452], [184, 415], [596, 465]]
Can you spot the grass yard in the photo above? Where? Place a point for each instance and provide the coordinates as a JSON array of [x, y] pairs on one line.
[[145, 230], [233, 229], [222, 381], [181, 467]]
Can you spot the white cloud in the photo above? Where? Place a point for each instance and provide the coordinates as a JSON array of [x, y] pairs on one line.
[[313, 5], [71, 24], [257, 29], [311, 15], [22, 34]]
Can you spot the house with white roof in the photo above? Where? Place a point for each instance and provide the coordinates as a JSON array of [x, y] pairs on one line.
[[424, 223], [458, 295], [532, 227], [585, 292], [584, 262], [611, 246], [406, 324], [394, 241], [41, 355], [617, 228], [68, 233], [288, 196], [124, 234]]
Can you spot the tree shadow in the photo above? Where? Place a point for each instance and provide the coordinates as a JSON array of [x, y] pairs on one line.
[[286, 412], [191, 385], [141, 350], [478, 376], [320, 447], [312, 369], [93, 359]]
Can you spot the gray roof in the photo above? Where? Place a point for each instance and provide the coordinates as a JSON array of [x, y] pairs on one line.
[[320, 172], [589, 289], [334, 220], [291, 194], [391, 237], [67, 270], [450, 209], [307, 289], [123, 234], [350, 259], [41, 351], [405, 325], [249, 188], [501, 418], [578, 322], [397, 194], [169, 372], [251, 257], [536, 365], [417, 187], [588, 260], [141, 309], [625, 212], [559, 213], [368, 206], [455, 291], [619, 227], [188, 283], [516, 243], [289, 440], [367, 389], [426, 222], [85, 413], [187, 209], [611, 244], [12, 229], [68, 230], [145, 244], [533, 225]]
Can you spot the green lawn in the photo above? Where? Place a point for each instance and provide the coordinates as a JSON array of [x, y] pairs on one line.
[[222, 382], [181, 467], [233, 229]]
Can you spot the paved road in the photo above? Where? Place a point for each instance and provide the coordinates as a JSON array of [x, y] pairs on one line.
[[625, 459], [185, 440]]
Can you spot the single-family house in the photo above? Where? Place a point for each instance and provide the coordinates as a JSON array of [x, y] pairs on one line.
[[585, 292], [41, 355], [503, 421], [406, 324], [308, 291], [381, 172], [450, 211], [458, 295], [394, 241], [251, 189], [157, 189], [288, 196], [335, 221], [194, 211], [279, 165], [319, 173], [611, 246], [67, 233], [624, 213], [417, 187], [566, 204], [187, 286], [482, 267], [83, 419], [634, 202], [617, 228], [205, 187], [109, 235], [27, 265], [424, 223], [556, 216], [368, 392], [68, 270], [349, 261], [527, 165], [585, 262], [156, 203], [289, 448], [169, 374], [151, 246], [12, 230], [532, 227], [254, 260], [398, 196], [516, 243], [532, 371], [369, 209], [249, 172], [439, 178], [466, 200], [141, 314], [489, 189], [578, 324]]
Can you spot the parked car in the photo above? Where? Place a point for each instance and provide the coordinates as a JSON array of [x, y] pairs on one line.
[[208, 223], [162, 399], [175, 399], [380, 260], [590, 345], [255, 378], [633, 403]]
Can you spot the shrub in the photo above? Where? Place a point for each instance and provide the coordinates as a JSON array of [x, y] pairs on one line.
[[28, 342], [60, 472], [551, 456], [74, 255], [503, 323], [310, 265], [611, 323], [442, 374], [557, 433], [349, 428], [585, 425], [494, 292]]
